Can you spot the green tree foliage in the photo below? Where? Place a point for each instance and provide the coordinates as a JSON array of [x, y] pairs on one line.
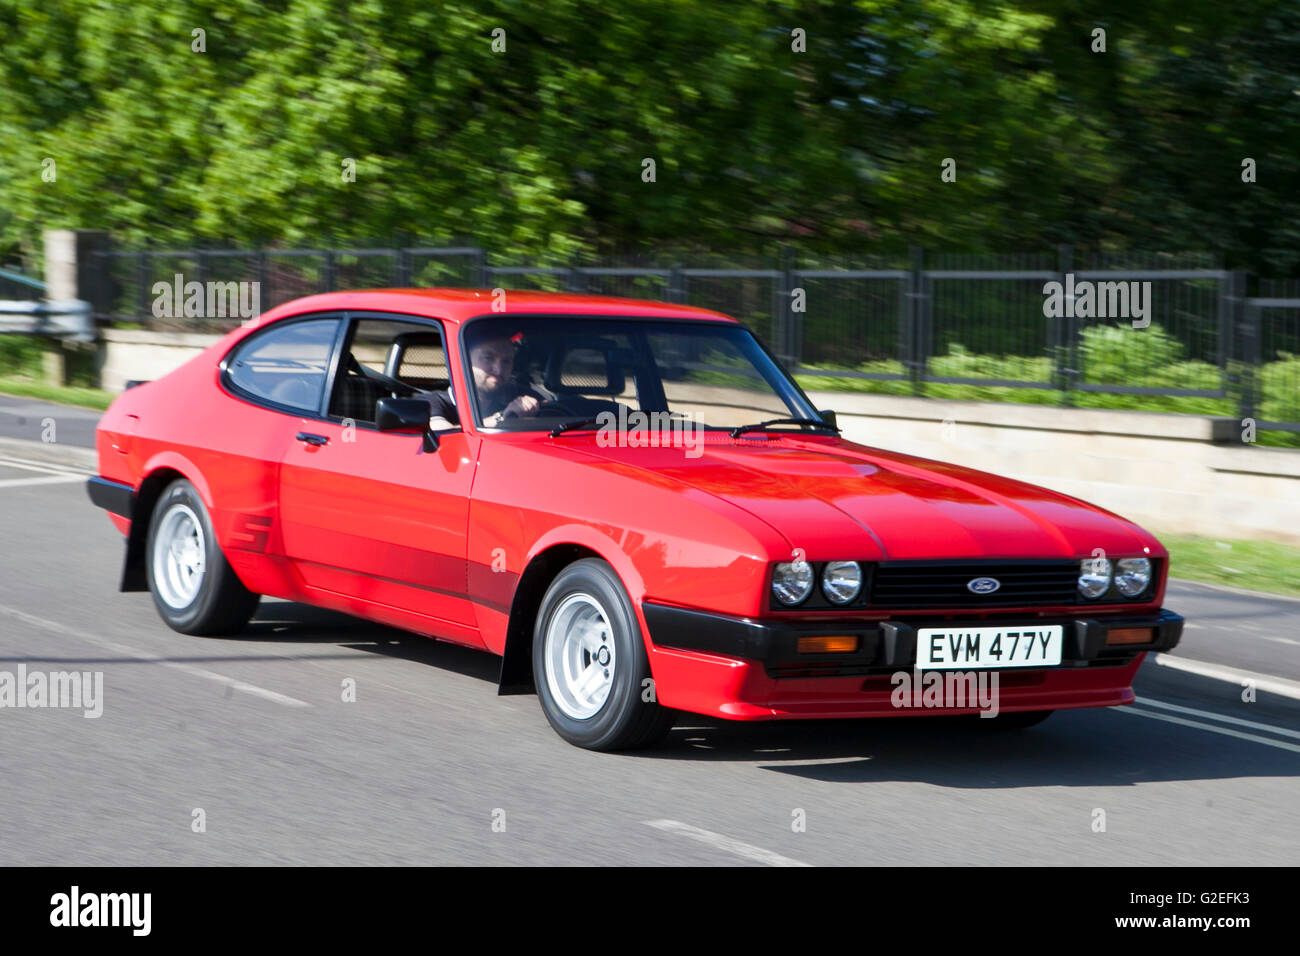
[[538, 150]]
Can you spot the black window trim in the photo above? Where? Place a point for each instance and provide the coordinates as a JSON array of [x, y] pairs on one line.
[[346, 319], [636, 317], [350, 319], [235, 390]]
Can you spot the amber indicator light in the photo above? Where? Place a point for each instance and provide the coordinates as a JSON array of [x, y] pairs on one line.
[[1131, 635], [827, 645]]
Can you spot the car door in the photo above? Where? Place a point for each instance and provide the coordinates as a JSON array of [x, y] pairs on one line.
[[270, 381], [370, 516]]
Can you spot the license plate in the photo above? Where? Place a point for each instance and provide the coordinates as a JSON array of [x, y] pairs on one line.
[[947, 648]]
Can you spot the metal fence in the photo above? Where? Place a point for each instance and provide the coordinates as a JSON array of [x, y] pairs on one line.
[[919, 325], [1270, 367]]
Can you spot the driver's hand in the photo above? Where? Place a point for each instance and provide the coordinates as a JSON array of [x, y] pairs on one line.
[[523, 405]]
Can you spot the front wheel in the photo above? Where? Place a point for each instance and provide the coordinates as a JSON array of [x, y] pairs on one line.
[[1015, 719], [193, 586], [590, 665]]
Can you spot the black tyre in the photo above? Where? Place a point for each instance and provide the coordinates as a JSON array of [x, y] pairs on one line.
[[193, 586], [590, 665], [1014, 720]]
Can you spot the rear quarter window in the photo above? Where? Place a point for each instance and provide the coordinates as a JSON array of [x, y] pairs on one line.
[[285, 366]]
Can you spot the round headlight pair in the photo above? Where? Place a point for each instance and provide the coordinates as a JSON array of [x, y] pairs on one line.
[[792, 581], [1130, 576]]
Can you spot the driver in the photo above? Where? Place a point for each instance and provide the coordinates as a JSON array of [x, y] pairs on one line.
[[492, 360]]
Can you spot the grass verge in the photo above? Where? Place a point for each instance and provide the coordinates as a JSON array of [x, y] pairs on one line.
[[1255, 565], [62, 394]]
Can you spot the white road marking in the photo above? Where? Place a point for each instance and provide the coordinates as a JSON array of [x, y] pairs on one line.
[[34, 410], [1234, 590], [1261, 634], [1265, 682], [1256, 633], [126, 651], [46, 480], [1137, 712], [1223, 718], [31, 465], [724, 843]]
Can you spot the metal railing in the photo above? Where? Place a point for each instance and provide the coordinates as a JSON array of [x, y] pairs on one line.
[[67, 320], [922, 325], [16, 286]]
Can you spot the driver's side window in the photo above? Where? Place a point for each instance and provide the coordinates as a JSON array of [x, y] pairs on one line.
[[387, 358]]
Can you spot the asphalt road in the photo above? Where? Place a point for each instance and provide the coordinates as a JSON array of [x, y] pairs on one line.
[[26, 418], [429, 766]]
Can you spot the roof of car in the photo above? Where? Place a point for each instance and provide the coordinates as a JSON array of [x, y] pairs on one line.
[[458, 305]]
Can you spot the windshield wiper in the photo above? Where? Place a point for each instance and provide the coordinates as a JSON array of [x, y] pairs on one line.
[[575, 425], [759, 426]]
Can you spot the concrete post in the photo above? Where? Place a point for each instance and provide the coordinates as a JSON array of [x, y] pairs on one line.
[[72, 271]]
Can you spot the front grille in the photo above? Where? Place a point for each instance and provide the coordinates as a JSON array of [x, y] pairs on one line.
[[929, 584]]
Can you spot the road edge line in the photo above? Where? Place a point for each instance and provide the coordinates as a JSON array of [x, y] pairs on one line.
[[725, 843], [1264, 682]]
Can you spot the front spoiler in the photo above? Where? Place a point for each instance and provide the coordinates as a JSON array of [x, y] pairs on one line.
[[883, 646]]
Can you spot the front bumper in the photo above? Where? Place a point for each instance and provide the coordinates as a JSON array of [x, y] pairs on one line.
[[744, 668], [883, 646]]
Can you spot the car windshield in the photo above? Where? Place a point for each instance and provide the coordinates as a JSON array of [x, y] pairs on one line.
[[537, 373]]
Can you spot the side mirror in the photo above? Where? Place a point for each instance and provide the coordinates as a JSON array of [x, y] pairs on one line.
[[405, 415], [828, 417]]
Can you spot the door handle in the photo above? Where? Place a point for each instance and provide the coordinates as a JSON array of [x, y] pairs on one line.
[[311, 439]]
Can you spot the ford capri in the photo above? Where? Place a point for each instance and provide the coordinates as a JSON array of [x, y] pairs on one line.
[[631, 503]]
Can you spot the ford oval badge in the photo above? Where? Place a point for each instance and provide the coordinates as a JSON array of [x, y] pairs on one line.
[[983, 585]]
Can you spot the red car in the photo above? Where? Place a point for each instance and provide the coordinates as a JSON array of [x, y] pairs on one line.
[[631, 503]]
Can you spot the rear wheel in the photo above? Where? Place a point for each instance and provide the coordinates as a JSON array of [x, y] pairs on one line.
[[193, 586], [590, 665]]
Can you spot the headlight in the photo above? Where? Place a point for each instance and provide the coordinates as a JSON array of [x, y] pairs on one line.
[[841, 581], [792, 581], [1132, 575], [1094, 577]]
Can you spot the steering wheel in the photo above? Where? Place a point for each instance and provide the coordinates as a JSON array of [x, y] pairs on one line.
[[553, 408]]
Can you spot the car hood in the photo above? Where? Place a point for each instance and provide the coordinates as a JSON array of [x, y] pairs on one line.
[[834, 497]]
